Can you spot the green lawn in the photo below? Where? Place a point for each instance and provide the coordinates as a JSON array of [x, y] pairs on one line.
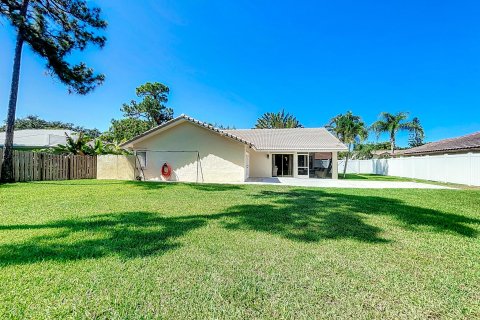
[[118, 250], [377, 177]]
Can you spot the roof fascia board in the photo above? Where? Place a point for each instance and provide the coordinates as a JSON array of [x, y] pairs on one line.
[[299, 150]]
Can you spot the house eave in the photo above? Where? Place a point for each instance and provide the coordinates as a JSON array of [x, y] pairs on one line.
[[302, 150]]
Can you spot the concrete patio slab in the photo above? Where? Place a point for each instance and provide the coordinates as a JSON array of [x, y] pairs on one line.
[[329, 183]]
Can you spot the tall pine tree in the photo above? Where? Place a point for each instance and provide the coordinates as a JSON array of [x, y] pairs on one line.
[[53, 29], [152, 108]]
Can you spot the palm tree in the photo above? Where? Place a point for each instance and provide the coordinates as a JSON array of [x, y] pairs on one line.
[[349, 129], [83, 145], [417, 134], [392, 123], [74, 145], [277, 120]]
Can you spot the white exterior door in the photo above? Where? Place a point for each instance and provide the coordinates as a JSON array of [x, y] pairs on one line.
[[302, 165]]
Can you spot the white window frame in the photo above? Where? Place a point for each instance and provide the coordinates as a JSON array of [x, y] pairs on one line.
[[306, 166]]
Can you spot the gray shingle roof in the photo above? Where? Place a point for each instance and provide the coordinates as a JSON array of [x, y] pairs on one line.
[[463, 143], [290, 139]]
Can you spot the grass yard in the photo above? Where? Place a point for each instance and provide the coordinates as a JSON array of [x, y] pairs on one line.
[[117, 250], [375, 177]]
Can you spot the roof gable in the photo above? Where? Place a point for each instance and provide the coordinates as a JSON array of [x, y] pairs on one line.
[[313, 139], [178, 120]]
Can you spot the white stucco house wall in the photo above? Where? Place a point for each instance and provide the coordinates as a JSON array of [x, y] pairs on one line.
[[198, 152]]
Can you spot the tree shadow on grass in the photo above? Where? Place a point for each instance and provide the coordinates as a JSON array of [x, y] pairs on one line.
[[128, 235], [147, 185], [154, 185], [342, 215], [213, 187], [302, 215], [79, 182]]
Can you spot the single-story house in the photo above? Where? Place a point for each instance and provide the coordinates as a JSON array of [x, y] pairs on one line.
[[37, 138], [464, 144], [197, 151]]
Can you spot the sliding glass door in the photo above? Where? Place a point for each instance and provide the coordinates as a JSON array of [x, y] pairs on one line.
[[282, 165]]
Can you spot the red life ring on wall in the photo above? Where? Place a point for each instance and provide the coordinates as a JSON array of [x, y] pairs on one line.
[[166, 170]]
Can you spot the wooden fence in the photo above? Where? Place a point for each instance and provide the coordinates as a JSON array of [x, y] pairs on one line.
[[31, 166]]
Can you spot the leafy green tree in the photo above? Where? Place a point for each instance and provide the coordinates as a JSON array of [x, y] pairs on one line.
[[141, 116], [125, 129], [350, 129], [392, 124], [416, 135], [35, 122], [98, 146], [30, 122], [152, 106], [364, 151], [77, 145], [53, 29], [271, 120], [114, 148]]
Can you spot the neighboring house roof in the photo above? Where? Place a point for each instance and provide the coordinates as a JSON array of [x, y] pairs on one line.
[[261, 139], [290, 139], [38, 138], [387, 153], [381, 152], [463, 143]]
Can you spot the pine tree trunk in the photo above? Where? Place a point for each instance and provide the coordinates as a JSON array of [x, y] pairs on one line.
[[7, 163]]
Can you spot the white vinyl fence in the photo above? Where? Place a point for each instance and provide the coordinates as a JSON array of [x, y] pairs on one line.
[[454, 168]]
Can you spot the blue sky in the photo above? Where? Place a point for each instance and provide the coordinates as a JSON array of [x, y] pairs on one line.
[[230, 61]]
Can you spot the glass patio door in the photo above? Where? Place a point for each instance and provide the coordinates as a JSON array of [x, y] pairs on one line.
[[302, 165], [282, 165]]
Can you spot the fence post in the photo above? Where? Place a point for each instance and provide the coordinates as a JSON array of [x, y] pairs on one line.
[[69, 166]]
